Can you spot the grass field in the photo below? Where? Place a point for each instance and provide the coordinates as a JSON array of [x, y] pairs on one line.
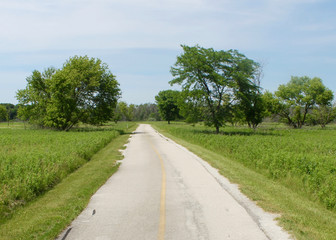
[[34, 161], [288, 171], [12, 124], [47, 215]]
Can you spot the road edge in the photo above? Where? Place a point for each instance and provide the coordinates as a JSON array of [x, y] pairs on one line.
[[266, 221]]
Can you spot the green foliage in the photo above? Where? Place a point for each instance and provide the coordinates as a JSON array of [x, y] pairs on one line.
[[124, 111], [117, 115], [33, 161], [271, 104], [251, 107], [35, 97], [146, 112], [216, 80], [23, 113], [190, 108], [167, 102], [3, 113], [295, 99], [322, 115], [306, 157], [11, 111], [84, 90]]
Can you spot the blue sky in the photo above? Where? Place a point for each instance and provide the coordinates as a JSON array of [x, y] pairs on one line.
[[140, 39]]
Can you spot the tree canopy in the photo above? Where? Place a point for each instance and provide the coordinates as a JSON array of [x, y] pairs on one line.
[[217, 80], [3, 113], [147, 111], [124, 111], [167, 102], [190, 108], [294, 100], [11, 110], [83, 90]]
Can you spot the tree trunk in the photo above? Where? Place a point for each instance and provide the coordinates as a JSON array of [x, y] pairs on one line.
[[299, 124], [217, 129], [8, 117], [291, 122], [304, 115], [69, 127], [255, 126]]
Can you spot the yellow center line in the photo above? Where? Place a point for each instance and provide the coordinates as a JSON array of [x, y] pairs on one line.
[[162, 224]]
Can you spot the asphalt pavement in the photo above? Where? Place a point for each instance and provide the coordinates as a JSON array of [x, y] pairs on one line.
[[162, 191]]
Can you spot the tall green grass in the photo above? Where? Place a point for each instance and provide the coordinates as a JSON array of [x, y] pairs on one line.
[[305, 158], [33, 161], [12, 124], [48, 215]]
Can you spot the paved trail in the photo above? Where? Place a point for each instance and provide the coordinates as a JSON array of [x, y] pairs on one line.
[[162, 191]]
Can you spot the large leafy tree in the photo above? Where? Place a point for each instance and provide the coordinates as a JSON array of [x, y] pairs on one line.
[[294, 100], [167, 102], [248, 96], [217, 80], [84, 90]]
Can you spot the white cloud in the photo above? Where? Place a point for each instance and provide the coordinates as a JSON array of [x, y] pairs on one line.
[[33, 25], [40, 33], [149, 23]]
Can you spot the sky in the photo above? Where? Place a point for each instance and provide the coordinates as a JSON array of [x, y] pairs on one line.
[[140, 39]]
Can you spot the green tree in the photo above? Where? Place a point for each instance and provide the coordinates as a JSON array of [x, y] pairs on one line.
[[215, 79], [23, 114], [249, 102], [270, 103], [3, 113], [322, 115], [145, 112], [37, 96], [131, 109], [84, 90], [190, 108], [126, 111], [295, 99], [11, 110], [123, 108], [236, 116], [167, 102], [117, 115]]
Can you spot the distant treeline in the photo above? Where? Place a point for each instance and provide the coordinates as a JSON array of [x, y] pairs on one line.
[[132, 112], [123, 112], [8, 111]]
